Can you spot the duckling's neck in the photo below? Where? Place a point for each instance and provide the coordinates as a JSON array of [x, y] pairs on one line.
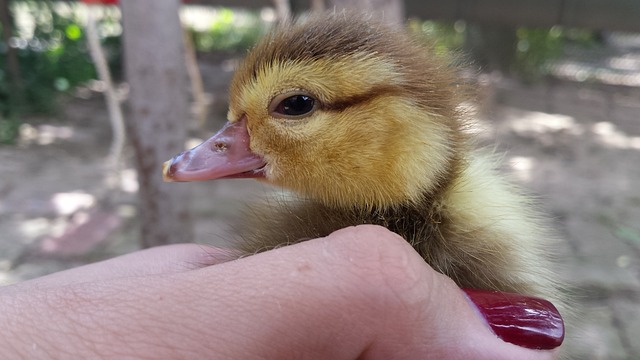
[[283, 222]]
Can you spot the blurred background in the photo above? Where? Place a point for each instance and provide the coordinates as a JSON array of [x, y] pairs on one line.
[[95, 95]]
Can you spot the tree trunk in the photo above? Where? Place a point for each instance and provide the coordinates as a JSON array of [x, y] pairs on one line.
[[157, 124], [13, 66], [392, 11]]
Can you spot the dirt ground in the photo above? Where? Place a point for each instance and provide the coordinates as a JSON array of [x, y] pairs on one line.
[[575, 145]]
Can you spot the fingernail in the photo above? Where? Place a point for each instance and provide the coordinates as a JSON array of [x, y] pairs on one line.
[[524, 321]]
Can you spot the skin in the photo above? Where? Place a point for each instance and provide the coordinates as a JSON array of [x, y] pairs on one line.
[[188, 302]]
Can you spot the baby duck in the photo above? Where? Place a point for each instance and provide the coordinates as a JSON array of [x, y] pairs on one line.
[[367, 126]]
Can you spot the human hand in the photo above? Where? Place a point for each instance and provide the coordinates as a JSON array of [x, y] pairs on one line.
[[359, 293]]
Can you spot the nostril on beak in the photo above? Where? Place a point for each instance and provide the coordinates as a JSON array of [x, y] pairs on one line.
[[219, 146]]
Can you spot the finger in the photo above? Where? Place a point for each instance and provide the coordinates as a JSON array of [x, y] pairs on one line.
[[153, 261]]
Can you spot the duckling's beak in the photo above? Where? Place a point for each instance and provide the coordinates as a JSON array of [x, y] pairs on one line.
[[224, 155]]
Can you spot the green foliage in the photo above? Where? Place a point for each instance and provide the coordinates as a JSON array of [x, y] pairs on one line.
[[229, 30], [536, 47], [9, 127], [53, 60], [445, 36]]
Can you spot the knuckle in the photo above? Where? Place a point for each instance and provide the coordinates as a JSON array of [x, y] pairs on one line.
[[383, 265]]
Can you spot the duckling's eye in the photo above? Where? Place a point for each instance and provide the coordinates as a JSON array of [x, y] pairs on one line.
[[293, 106]]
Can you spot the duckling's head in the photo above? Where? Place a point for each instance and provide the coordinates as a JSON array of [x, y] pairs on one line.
[[338, 108]]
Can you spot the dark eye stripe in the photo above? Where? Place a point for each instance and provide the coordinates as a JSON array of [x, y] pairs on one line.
[[358, 99]]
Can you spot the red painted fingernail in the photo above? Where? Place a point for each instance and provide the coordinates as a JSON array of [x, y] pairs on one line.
[[524, 321]]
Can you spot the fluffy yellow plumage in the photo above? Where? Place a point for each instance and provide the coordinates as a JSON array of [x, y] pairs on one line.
[[366, 125]]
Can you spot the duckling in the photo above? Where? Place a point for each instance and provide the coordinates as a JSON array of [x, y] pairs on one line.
[[367, 125]]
